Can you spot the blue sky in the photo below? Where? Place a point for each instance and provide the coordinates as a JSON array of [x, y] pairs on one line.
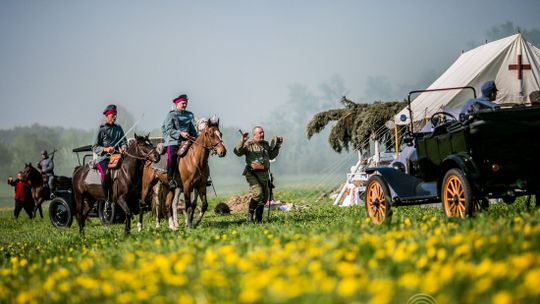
[[62, 62]]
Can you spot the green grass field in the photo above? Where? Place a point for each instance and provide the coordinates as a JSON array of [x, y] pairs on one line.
[[323, 254]]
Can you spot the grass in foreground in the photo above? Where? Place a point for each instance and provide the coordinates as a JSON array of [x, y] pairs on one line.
[[323, 254]]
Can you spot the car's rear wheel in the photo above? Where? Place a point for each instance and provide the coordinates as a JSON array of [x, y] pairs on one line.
[[110, 213], [60, 213], [457, 195], [378, 200]]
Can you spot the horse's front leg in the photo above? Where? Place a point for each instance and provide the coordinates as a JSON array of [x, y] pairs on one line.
[[204, 204], [121, 201], [140, 223], [168, 210], [175, 207], [189, 208]]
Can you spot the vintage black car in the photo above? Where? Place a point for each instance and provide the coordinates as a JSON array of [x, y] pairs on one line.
[[62, 207], [462, 162]]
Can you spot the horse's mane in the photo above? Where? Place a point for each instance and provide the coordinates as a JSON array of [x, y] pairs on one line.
[[33, 175]]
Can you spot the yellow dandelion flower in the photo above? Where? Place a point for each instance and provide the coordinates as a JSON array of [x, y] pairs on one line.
[[176, 280], [106, 288], [409, 280], [249, 295], [23, 297], [185, 299], [441, 254], [125, 298], [502, 297]]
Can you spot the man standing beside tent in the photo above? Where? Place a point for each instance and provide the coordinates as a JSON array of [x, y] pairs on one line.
[[485, 102], [258, 153]]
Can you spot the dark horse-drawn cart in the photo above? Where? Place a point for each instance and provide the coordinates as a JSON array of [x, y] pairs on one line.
[[462, 162], [62, 207]]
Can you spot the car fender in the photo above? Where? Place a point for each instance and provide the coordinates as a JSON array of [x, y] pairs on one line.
[[465, 163], [400, 184]]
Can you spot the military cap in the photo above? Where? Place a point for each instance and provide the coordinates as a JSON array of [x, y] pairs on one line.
[[488, 87], [182, 97], [109, 109]]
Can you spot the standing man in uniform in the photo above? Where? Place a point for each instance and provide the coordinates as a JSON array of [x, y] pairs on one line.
[[46, 165], [178, 126], [258, 153], [109, 138]]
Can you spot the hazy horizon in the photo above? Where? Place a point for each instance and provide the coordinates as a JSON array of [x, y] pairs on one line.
[[62, 62]]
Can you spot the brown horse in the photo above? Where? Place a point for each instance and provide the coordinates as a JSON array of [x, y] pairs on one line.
[[194, 172], [151, 179], [39, 191], [126, 181], [40, 186]]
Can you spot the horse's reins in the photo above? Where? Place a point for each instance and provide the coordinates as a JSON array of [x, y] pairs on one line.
[[212, 147]]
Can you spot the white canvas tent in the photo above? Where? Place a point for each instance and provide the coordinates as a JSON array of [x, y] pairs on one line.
[[512, 62]]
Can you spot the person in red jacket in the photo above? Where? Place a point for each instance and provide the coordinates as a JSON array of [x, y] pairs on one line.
[[23, 198]]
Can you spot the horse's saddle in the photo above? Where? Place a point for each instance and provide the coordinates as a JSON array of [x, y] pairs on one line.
[[184, 147], [161, 165], [93, 177]]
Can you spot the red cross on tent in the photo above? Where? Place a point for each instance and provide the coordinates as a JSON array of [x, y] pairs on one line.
[[519, 67]]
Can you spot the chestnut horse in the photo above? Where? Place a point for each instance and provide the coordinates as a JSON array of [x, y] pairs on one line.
[[194, 171], [126, 181], [193, 175]]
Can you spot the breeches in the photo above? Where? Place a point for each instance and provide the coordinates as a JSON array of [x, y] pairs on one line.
[[172, 159], [51, 182], [102, 168], [259, 193]]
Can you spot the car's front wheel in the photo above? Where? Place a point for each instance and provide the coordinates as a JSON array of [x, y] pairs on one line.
[[378, 200]]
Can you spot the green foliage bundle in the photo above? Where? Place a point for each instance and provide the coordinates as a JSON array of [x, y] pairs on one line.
[[354, 123]]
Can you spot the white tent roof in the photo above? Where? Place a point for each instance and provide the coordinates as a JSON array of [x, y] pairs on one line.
[[497, 61]]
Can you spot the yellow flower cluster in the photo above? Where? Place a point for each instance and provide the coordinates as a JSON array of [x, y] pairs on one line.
[[359, 263]]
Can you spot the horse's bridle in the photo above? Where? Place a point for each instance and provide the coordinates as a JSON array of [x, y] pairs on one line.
[[146, 156], [212, 147]]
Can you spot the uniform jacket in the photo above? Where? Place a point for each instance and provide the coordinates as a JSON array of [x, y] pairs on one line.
[[46, 165], [108, 136], [261, 152], [177, 122], [481, 103]]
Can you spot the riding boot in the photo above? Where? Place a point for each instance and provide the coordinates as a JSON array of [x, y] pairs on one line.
[[171, 178], [251, 211], [249, 218], [259, 213], [105, 186]]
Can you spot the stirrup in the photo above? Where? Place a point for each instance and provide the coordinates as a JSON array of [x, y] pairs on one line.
[[172, 184]]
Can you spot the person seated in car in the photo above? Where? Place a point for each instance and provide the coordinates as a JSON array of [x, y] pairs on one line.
[[534, 98], [484, 102]]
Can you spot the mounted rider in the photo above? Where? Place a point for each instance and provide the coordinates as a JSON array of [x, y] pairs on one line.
[[46, 165], [110, 138], [177, 128]]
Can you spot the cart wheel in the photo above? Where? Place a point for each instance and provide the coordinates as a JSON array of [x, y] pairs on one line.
[[110, 213], [60, 213], [377, 199], [457, 195]]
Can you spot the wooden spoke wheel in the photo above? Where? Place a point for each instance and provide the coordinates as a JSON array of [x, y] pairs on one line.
[[378, 199], [457, 195]]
